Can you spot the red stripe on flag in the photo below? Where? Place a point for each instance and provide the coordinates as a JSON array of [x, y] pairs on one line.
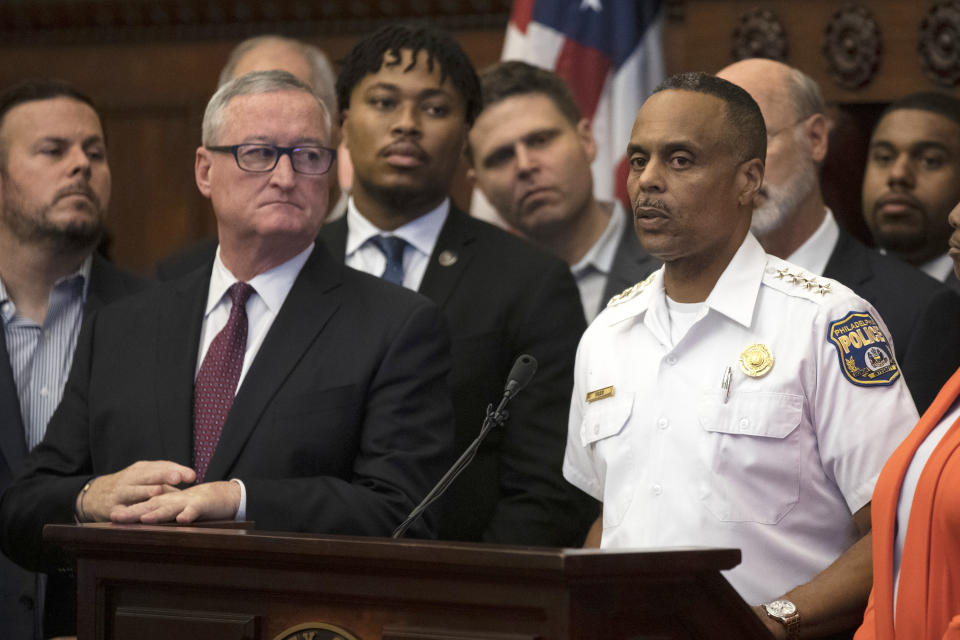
[[620, 185], [585, 70], [522, 14]]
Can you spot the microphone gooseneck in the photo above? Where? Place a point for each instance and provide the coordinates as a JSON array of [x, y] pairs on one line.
[[520, 374]]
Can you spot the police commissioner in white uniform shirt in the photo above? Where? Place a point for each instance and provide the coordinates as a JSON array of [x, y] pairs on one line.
[[777, 465]]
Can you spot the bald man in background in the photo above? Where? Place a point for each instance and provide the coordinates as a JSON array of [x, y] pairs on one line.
[[308, 64], [792, 222]]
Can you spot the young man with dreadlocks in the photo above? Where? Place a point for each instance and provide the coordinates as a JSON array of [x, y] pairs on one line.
[[409, 95]]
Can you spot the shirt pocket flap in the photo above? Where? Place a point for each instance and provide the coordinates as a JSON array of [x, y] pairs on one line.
[[605, 418], [758, 413]]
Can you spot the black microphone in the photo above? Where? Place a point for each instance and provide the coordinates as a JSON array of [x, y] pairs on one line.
[[523, 369], [521, 373]]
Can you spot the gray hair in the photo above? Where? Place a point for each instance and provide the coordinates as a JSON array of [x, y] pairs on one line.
[[322, 78], [254, 83], [805, 95]]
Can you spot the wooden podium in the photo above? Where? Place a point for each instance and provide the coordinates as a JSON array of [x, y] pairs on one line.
[[187, 583]]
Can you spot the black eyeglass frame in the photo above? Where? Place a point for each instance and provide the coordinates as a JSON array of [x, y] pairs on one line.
[[281, 151]]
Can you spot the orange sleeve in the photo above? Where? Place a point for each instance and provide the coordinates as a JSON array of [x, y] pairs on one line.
[[953, 630]]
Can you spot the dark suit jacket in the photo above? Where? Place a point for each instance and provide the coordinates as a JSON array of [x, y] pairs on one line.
[[18, 589], [631, 264], [341, 425], [922, 314], [952, 282], [186, 259], [503, 297]]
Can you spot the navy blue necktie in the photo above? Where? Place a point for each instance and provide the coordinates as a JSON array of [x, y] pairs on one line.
[[392, 248]]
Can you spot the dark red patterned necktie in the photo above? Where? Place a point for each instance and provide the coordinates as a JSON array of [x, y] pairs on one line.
[[216, 381]]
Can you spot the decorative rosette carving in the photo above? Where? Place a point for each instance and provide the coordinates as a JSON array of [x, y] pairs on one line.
[[852, 46], [939, 43], [759, 34]]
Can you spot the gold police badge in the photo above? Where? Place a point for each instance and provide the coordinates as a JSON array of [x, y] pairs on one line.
[[756, 360]]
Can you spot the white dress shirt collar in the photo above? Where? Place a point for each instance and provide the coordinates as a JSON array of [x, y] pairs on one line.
[[604, 250], [815, 252], [82, 274], [421, 232], [271, 286], [939, 268]]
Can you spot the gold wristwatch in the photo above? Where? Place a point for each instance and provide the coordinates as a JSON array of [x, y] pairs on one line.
[[785, 612]]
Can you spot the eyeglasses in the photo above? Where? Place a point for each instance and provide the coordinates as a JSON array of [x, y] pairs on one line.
[[261, 158]]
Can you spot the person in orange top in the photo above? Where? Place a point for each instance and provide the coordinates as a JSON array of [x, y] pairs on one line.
[[916, 523]]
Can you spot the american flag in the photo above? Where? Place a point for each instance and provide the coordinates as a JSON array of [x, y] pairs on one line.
[[610, 52]]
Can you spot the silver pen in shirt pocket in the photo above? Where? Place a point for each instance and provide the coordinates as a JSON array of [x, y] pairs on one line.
[[725, 385]]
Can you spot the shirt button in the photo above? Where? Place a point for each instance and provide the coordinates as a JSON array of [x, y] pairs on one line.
[[671, 359], [44, 392], [657, 489], [596, 429], [663, 423], [744, 424]]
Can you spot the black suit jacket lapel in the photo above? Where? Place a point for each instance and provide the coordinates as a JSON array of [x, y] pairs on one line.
[[849, 262], [439, 280], [312, 301], [107, 283], [456, 242], [13, 444], [178, 341], [631, 264], [102, 287], [334, 237]]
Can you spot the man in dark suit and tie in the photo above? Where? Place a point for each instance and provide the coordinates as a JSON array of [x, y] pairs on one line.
[[276, 386], [912, 181], [54, 195], [791, 222], [530, 153], [408, 95]]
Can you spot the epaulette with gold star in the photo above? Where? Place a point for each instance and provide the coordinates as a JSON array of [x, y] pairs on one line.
[[802, 280], [630, 292]]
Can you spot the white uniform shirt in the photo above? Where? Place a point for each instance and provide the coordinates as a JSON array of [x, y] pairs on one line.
[[775, 468]]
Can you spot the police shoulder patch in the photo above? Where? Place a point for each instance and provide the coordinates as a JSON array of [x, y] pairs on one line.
[[866, 358]]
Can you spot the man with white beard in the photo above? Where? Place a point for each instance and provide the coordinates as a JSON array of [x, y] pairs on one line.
[[792, 222]]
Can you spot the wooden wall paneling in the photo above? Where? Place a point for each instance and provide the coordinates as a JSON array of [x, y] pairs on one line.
[[156, 205], [699, 37]]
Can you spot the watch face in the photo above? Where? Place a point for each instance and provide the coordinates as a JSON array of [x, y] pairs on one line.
[[781, 608]]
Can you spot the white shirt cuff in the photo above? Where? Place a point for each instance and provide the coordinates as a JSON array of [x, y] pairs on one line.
[[242, 509]]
